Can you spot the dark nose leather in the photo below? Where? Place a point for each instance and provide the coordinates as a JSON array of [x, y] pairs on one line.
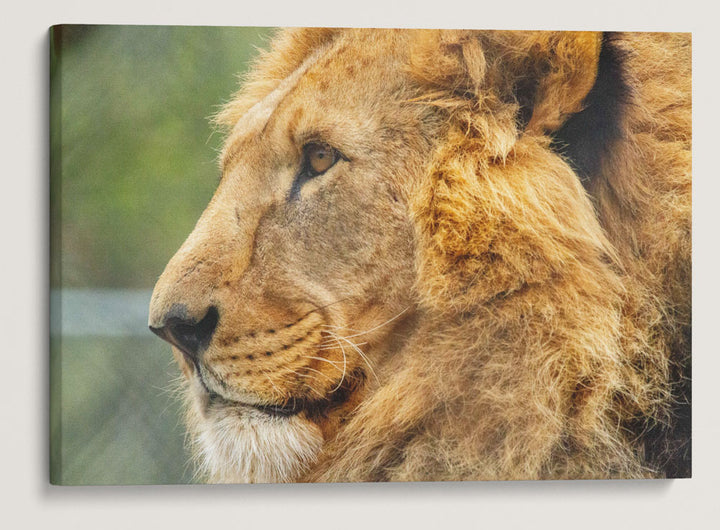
[[189, 335]]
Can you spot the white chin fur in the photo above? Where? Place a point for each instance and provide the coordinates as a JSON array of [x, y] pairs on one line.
[[236, 445]]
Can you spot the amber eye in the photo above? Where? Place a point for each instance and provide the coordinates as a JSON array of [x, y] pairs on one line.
[[319, 158]]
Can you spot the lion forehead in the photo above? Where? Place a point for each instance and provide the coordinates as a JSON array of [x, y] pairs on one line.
[[257, 117]]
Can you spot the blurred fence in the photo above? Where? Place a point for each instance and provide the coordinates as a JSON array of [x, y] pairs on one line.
[[133, 164], [100, 312], [117, 420]]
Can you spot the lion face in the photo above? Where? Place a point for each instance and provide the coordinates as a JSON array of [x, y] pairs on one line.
[[422, 260], [282, 301]]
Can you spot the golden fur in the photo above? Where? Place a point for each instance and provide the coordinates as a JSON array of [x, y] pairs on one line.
[[492, 282]]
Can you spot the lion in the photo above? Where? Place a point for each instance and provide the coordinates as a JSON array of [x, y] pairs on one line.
[[443, 255]]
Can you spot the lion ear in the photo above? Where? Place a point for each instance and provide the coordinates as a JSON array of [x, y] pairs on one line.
[[545, 75], [490, 223], [566, 66]]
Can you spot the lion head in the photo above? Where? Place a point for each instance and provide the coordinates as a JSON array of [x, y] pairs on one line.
[[399, 277]]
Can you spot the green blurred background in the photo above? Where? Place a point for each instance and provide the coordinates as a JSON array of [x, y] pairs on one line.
[[133, 164]]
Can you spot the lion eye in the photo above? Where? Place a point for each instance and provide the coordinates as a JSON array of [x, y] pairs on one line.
[[319, 158]]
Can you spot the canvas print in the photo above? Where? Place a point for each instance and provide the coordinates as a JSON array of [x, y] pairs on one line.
[[381, 255]]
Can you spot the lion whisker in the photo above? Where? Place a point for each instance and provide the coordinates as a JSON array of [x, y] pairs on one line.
[[304, 376], [342, 327], [342, 378], [361, 333], [318, 372], [328, 346], [280, 392], [358, 350], [321, 359]]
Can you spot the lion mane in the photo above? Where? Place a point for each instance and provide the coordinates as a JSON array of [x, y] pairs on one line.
[[551, 228]]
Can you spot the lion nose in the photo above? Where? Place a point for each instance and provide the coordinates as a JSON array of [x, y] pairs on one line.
[[189, 335]]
